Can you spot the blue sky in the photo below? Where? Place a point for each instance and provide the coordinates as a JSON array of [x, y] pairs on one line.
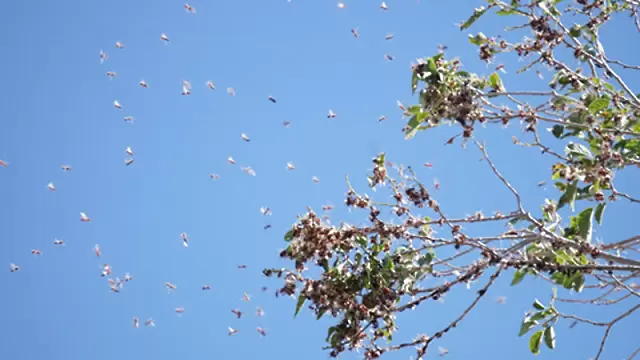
[[57, 108]]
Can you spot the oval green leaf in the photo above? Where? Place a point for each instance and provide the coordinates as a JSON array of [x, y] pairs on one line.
[[585, 224], [550, 337], [569, 196], [526, 326], [289, 235], [535, 341], [557, 131], [538, 305], [518, 276], [477, 13], [598, 104]]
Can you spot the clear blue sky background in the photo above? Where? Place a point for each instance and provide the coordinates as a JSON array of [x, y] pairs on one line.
[[57, 109]]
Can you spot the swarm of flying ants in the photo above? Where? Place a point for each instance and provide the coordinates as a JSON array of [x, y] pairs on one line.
[[117, 284]]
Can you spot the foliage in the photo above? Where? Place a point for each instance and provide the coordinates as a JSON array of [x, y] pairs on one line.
[[369, 274]]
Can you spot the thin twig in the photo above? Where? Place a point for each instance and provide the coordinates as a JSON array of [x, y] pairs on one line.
[[453, 324], [629, 289], [504, 181], [621, 244], [626, 66], [610, 325], [626, 196], [634, 354]]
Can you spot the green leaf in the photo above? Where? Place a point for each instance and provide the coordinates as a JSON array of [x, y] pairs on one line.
[[495, 81], [550, 337], [321, 314], [628, 145], [585, 192], [599, 212], [414, 124], [301, 300], [538, 316], [558, 277], [577, 117], [478, 39], [527, 325], [532, 249], [570, 280], [477, 13], [425, 230], [594, 145], [431, 65], [556, 176], [575, 30], [583, 259], [388, 335], [574, 132], [585, 224], [563, 258], [561, 100], [535, 341], [538, 305], [425, 259], [577, 282], [414, 82], [388, 263], [331, 330], [577, 150], [557, 131], [367, 277], [504, 12], [572, 230], [335, 339], [289, 235], [375, 250], [358, 258], [598, 105], [518, 276], [569, 196], [361, 240], [414, 109]]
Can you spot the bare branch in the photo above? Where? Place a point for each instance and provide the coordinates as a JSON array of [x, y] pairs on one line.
[[626, 66], [610, 325], [629, 289], [504, 181], [454, 323], [621, 244]]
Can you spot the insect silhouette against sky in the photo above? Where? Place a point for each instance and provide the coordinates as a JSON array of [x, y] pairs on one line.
[[190, 9]]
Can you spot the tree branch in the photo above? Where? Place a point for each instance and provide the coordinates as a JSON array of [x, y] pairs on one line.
[[504, 181], [610, 325]]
